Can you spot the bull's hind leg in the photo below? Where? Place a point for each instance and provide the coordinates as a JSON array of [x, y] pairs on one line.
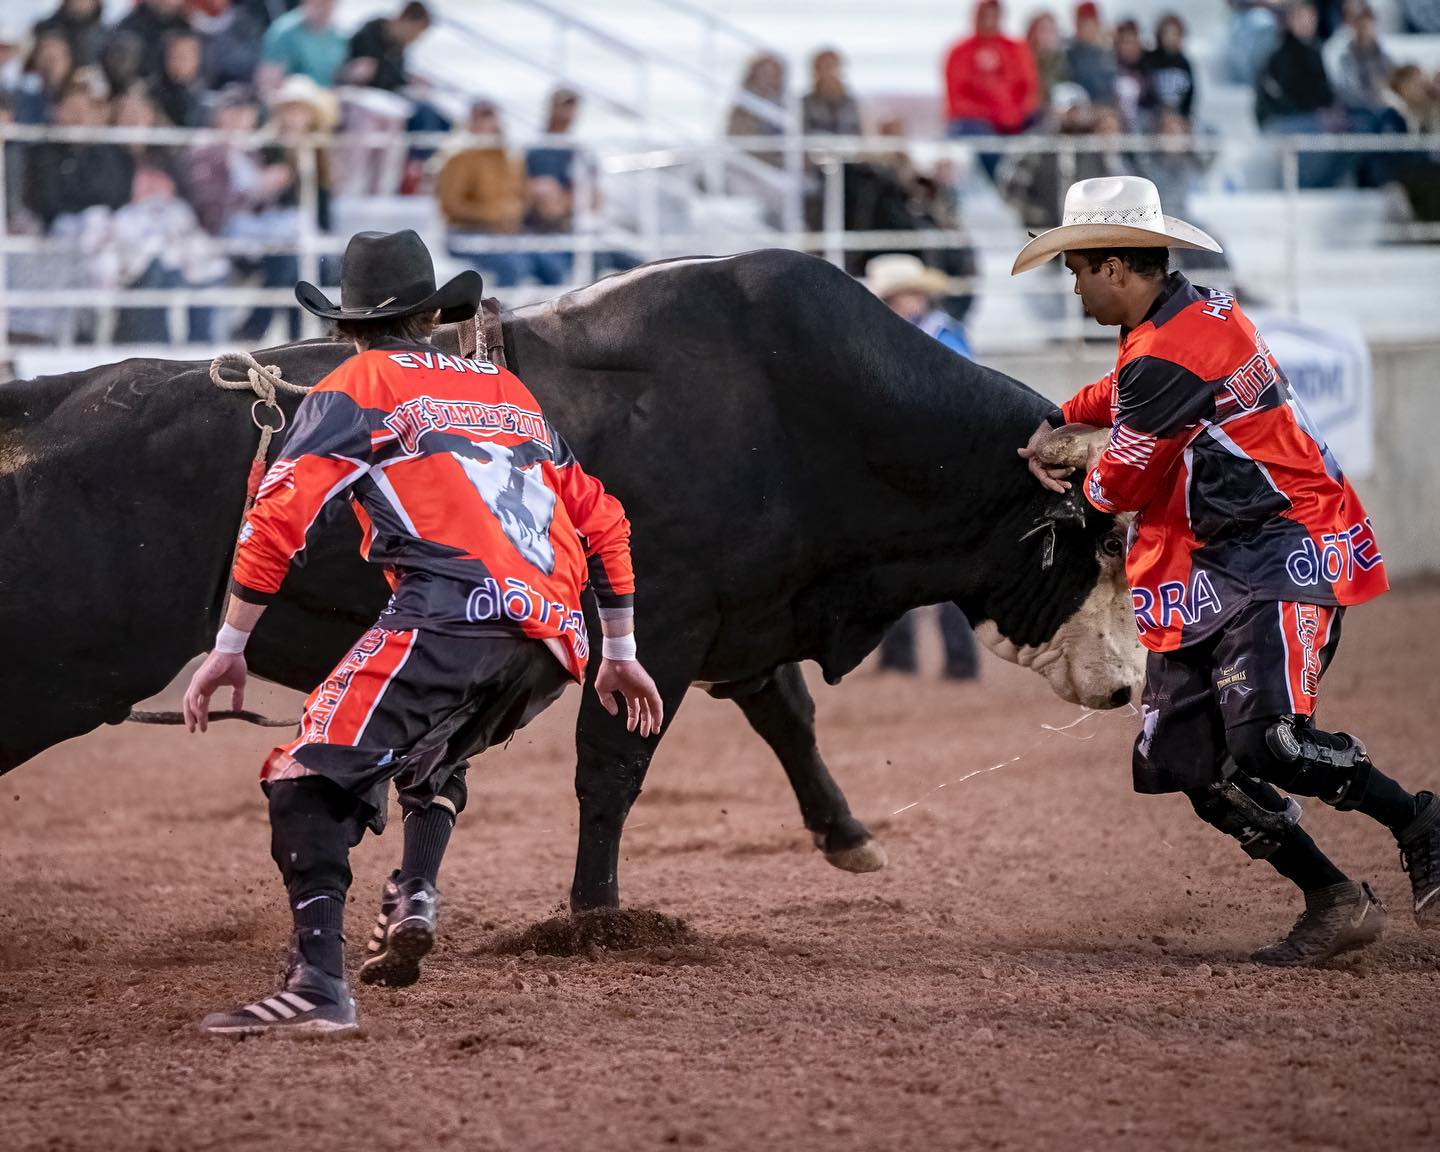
[[781, 710]]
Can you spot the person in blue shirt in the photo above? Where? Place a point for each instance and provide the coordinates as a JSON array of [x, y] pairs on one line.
[[909, 289]]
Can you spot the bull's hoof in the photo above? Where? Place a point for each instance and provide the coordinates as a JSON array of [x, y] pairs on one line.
[[868, 856]]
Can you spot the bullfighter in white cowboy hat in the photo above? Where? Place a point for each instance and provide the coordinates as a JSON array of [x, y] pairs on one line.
[[1248, 544]]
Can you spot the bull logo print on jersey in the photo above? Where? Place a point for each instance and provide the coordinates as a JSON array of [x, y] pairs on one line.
[[1307, 630], [518, 497]]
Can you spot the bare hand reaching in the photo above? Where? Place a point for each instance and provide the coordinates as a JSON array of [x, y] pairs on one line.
[[1051, 476], [220, 669], [629, 680]]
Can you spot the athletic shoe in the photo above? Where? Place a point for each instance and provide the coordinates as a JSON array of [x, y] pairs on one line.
[[1420, 856], [1336, 919], [404, 932], [310, 1002]]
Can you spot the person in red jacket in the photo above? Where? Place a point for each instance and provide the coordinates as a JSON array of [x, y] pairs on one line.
[[487, 528], [991, 87], [1247, 546]]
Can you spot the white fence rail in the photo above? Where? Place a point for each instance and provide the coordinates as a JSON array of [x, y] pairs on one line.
[[642, 203]]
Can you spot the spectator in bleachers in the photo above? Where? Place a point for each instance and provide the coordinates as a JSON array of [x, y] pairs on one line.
[[1132, 81], [1421, 16], [1252, 37], [122, 57], [271, 217], [990, 83], [1414, 107], [552, 163], [47, 71], [1362, 69], [909, 289], [1170, 80], [222, 176], [1090, 56], [155, 241], [1047, 49], [180, 91], [230, 38], [550, 189], [64, 179], [82, 23], [149, 21], [765, 81], [376, 54], [303, 42], [1294, 96], [136, 108], [481, 191], [377, 61], [829, 108], [1176, 172], [1034, 183]]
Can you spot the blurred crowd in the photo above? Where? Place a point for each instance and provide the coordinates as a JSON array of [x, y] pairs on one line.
[[231, 213]]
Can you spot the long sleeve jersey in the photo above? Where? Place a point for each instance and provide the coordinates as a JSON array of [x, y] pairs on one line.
[[484, 520], [1237, 497]]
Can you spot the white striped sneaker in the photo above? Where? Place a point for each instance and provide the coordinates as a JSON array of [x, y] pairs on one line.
[[310, 1003], [404, 932]]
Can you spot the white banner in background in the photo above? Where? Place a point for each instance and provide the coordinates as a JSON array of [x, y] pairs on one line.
[[1329, 369]]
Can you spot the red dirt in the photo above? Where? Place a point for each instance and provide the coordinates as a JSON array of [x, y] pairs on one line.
[[1050, 961]]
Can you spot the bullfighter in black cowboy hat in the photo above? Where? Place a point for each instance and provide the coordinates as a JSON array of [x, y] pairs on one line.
[[487, 528]]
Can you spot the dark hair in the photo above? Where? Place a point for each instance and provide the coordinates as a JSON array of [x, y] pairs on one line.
[[416, 13], [1142, 261], [414, 329]]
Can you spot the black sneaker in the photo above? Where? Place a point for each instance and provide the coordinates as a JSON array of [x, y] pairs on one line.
[[404, 932], [1420, 856], [1335, 920], [310, 1002]]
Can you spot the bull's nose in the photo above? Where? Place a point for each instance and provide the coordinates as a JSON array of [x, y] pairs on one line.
[[1120, 696]]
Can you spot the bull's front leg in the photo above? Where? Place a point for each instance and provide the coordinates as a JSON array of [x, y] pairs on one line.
[[782, 711], [611, 763]]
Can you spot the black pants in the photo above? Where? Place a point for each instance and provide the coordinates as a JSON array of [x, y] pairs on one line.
[[897, 650]]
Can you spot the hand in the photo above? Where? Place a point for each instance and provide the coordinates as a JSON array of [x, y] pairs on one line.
[[219, 669], [629, 679], [1050, 476]]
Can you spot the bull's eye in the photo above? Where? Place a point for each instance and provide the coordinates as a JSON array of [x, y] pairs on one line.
[[1112, 546]]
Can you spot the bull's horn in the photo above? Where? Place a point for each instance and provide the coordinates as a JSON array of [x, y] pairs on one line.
[[1070, 445]]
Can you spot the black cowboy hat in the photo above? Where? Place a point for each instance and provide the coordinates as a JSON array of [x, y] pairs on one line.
[[389, 274]]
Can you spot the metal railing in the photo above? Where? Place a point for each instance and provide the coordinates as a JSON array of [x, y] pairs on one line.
[[638, 181]]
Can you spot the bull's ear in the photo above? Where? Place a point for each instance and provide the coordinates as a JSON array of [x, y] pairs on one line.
[[1071, 508]]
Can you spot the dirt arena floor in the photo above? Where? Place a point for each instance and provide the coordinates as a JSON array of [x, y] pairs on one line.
[[1049, 962]]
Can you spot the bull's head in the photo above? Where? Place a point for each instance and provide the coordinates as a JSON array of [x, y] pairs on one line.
[[1092, 656]]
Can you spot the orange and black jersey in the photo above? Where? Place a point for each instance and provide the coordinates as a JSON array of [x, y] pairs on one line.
[[1238, 499], [482, 516]]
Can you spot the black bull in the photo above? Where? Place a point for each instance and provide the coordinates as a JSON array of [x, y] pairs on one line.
[[799, 465]]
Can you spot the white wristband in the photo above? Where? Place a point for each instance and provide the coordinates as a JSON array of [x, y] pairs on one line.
[[618, 647], [230, 640]]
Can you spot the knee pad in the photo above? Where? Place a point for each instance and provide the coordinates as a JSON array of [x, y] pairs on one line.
[[1250, 811], [454, 792], [313, 825], [1299, 757]]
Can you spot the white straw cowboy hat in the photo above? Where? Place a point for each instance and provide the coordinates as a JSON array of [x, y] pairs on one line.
[[301, 89], [898, 272], [1112, 212]]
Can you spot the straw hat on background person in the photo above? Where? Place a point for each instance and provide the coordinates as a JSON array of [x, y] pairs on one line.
[[895, 273], [299, 89], [1112, 212]]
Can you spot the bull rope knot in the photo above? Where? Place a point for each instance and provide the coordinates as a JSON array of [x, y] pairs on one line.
[[265, 381]]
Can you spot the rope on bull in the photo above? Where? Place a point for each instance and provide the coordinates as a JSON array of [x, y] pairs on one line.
[[266, 382]]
